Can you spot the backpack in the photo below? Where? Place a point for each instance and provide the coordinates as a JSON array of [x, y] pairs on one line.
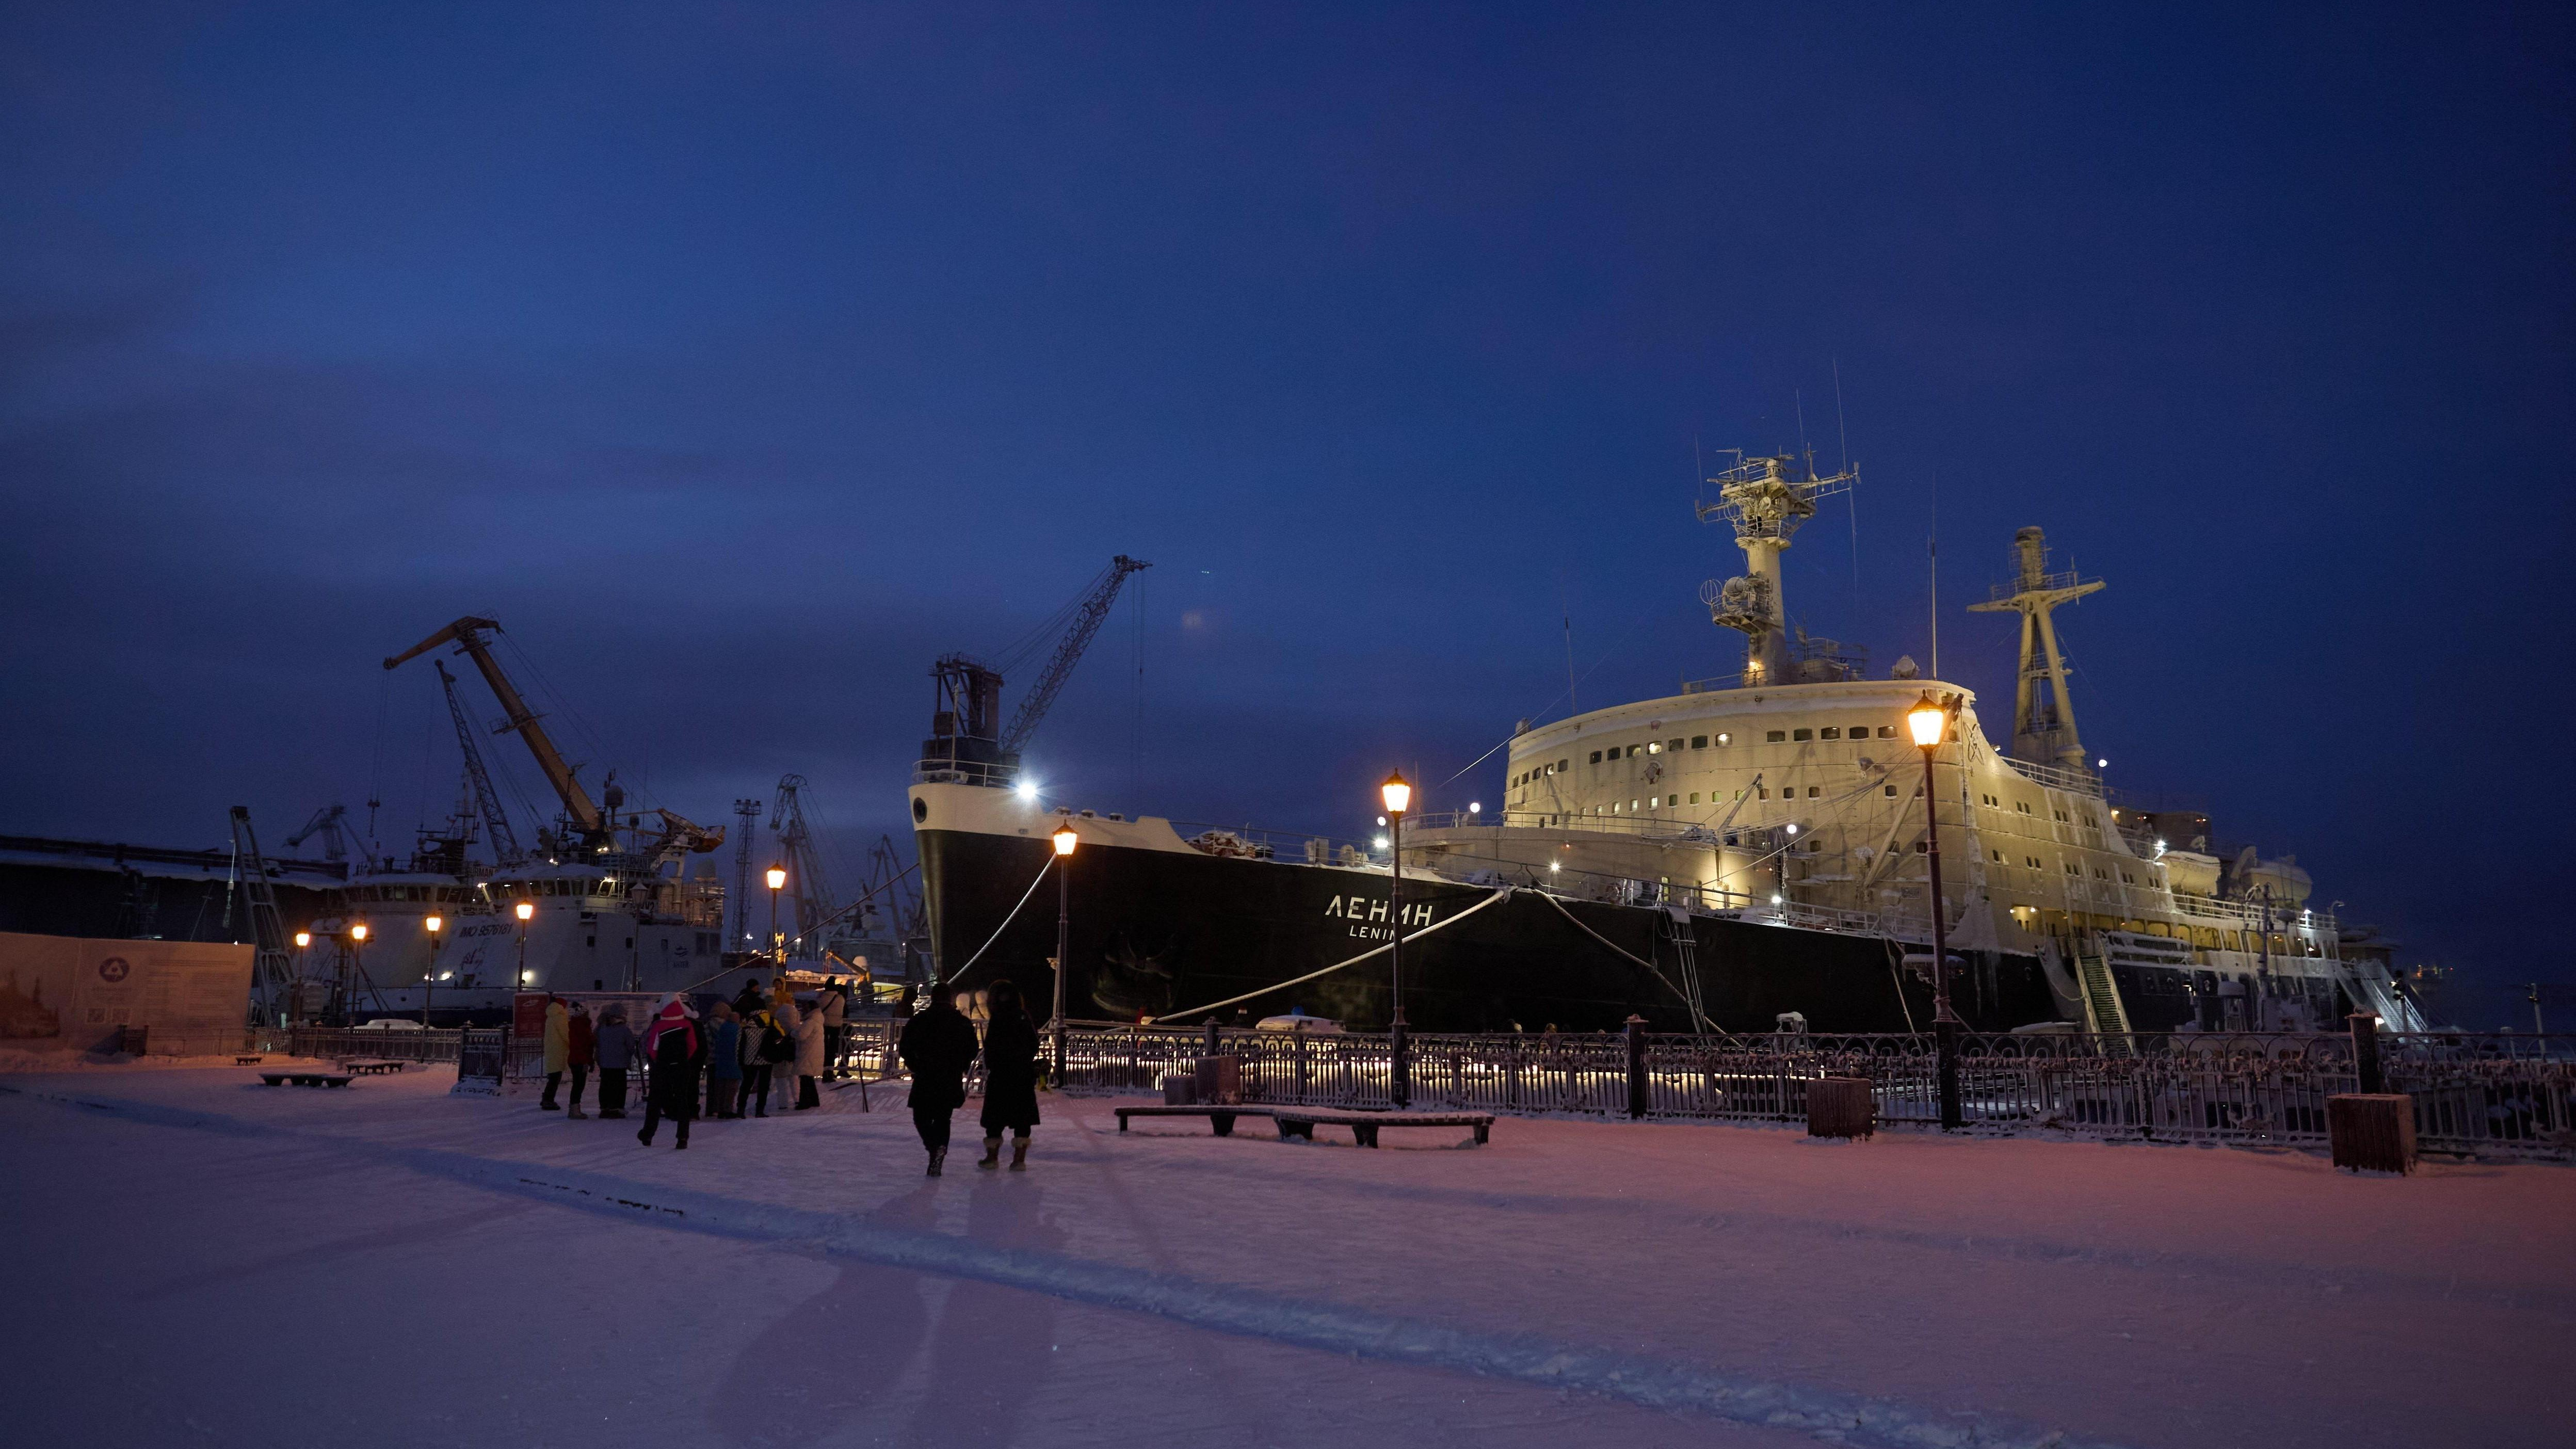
[[776, 1045]]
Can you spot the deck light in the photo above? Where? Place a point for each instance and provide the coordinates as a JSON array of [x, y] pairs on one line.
[[1475, 807], [1028, 790]]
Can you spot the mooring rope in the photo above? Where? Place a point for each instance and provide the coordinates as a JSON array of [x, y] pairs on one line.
[[998, 930], [1498, 894], [1704, 1023]]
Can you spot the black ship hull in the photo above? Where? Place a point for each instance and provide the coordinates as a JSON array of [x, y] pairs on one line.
[[1159, 932]]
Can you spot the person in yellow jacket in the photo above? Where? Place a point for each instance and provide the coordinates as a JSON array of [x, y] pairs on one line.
[[558, 1051]]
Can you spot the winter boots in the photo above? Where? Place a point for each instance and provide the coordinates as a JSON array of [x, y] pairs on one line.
[[1019, 1154], [938, 1155], [576, 1114], [992, 1153]]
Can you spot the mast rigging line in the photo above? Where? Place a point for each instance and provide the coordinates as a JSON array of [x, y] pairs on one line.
[[1499, 893], [942, 982], [1707, 1027]]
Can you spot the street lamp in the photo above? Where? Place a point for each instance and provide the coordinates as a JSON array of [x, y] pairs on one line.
[[777, 882], [526, 911], [1065, 840], [295, 993], [429, 983], [1929, 722], [1396, 794]]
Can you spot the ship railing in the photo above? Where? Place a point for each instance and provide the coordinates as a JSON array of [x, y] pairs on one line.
[[938, 771], [2475, 1094], [2057, 777], [2250, 916]]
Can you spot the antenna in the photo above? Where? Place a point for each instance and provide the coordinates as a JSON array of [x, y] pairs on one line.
[[1932, 551], [1571, 707], [1842, 437]]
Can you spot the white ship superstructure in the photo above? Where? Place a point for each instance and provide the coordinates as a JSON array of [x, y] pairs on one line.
[[1790, 792]]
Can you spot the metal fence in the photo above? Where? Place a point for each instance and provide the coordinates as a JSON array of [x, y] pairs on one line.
[[340, 1043], [2474, 1095]]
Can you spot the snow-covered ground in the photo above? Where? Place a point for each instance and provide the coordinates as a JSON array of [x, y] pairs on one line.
[[196, 1258]]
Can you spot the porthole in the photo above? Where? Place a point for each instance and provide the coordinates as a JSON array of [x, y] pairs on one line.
[[920, 810]]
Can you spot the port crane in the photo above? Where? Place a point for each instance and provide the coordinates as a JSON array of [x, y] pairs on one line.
[[595, 826], [804, 862], [487, 801], [967, 733], [325, 823]]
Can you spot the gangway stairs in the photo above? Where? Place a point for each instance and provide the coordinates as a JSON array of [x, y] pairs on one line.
[[1685, 950], [2103, 1012]]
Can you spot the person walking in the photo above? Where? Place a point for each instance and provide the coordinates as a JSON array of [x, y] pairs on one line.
[[558, 1051], [810, 1032], [582, 1049], [938, 1045], [617, 1057], [676, 1050], [834, 1002], [759, 1044], [1010, 1075], [724, 1060]]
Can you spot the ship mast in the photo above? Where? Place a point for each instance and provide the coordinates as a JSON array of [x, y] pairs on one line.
[[1766, 499], [2043, 719]]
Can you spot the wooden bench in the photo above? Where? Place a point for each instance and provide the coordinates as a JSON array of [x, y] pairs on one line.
[[248, 1059], [373, 1067], [306, 1079], [1220, 1115], [1302, 1121]]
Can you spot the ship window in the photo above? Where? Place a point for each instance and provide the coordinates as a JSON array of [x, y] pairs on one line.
[[1699, 742], [1999, 857], [1632, 804], [1887, 732], [1764, 790], [1813, 791], [1694, 797], [1596, 757], [1891, 792], [1829, 732], [1562, 764], [1860, 732], [1725, 739], [1775, 737], [2022, 805], [1654, 747], [1672, 744], [2071, 869], [1801, 734]]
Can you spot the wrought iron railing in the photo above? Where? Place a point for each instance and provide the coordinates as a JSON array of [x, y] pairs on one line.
[[2474, 1094]]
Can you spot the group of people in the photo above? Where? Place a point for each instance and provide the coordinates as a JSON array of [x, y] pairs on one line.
[[727, 1063]]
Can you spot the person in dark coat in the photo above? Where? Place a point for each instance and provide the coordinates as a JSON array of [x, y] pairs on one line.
[[724, 1060], [1010, 1076], [677, 1051], [615, 1042], [750, 998], [938, 1046], [581, 1050]]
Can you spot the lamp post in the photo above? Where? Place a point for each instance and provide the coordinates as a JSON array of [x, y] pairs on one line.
[[429, 983], [1396, 794], [354, 960], [1065, 839], [777, 944], [1928, 722], [525, 911], [295, 989]]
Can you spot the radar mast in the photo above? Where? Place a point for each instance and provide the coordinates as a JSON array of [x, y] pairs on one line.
[[2043, 721], [1766, 499]]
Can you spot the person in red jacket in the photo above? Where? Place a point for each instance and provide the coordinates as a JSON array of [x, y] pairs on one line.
[[677, 1052], [581, 1049]]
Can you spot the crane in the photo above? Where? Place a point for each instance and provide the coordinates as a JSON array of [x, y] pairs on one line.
[[487, 801], [1089, 612], [325, 823], [594, 824], [272, 968], [804, 862]]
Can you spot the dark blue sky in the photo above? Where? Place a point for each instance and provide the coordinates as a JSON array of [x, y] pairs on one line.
[[743, 358]]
